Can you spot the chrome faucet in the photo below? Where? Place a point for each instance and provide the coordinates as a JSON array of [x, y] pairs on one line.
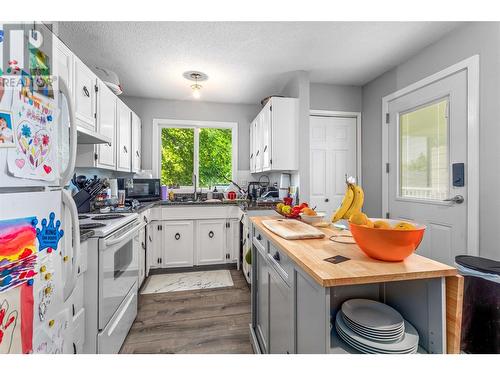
[[195, 188]]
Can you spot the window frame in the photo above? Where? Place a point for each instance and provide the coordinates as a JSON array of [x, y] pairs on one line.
[[399, 196], [159, 124]]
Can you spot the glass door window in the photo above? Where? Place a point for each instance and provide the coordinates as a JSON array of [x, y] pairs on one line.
[[424, 152]]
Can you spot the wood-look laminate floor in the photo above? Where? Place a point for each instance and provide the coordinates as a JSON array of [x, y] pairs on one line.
[[197, 321]]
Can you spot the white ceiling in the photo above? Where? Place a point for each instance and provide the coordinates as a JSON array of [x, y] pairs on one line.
[[245, 61]]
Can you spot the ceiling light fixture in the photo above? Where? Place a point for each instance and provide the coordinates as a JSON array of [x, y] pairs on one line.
[[196, 77]]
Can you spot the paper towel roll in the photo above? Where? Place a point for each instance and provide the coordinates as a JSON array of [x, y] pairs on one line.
[[113, 185]]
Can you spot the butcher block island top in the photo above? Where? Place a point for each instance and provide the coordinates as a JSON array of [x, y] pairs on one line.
[[310, 255]]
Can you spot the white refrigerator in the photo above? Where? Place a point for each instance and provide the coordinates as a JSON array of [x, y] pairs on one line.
[[41, 308]]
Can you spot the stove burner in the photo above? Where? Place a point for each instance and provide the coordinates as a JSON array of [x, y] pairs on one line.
[[83, 217], [108, 217], [92, 225]]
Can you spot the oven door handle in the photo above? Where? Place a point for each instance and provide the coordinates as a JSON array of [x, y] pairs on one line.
[[129, 234]]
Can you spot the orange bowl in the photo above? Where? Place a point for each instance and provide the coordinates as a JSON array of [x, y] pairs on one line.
[[387, 244]]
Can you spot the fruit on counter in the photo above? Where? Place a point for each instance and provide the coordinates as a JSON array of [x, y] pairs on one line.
[[403, 225], [280, 206], [381, 224], [344, 206], [287, 210], [369, 223], [357, 202], [351, 203], [248, 257], [309, 212], [358, 218]]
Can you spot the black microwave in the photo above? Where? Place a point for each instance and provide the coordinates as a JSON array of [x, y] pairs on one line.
[[142, 189]]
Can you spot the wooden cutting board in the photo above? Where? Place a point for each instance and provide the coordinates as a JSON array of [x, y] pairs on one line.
[[292, 229]]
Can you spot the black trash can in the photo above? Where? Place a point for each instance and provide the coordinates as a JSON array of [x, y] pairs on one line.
[[481, 308]]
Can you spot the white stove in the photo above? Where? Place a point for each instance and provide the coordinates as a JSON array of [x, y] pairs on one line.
[[105, 224]]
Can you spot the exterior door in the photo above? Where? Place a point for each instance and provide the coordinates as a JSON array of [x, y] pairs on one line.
[[427, 142], [333, 156]]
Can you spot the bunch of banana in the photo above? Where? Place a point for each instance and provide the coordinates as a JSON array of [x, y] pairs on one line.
[[352, 202]]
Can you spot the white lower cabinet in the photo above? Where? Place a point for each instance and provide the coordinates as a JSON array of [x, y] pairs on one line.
[[154, 245], [211, 242], [196, 242], [178, 244]]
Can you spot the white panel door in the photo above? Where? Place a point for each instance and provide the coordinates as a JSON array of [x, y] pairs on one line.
[[266, 137], [211, 241], [427, 139], [123, 152], [333, 156], [106, 125], [85, 81], [136, 143], [178, 244]]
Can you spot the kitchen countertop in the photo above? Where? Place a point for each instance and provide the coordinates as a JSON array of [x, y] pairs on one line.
[[359, 269], [243, 204], [85, 234]]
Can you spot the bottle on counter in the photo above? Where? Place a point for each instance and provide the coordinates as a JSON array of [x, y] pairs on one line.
[[164, 195]]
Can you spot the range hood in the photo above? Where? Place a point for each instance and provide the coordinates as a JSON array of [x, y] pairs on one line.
[[90, 137]]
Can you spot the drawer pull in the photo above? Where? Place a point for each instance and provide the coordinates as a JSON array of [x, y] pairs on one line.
[[177, 236], [211, 234], [86, 91], [276, 256]]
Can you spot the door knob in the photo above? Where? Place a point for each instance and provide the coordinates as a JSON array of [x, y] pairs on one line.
[[456, 199]]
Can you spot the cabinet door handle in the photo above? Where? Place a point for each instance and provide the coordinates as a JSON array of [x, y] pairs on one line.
[[143, 245], [177, 236], [150, 239], [211, 234], [327, 200], [137, 153], [125, 149], [257, 154], [265, 148], [259, 237], [86, 91], [276, 256]]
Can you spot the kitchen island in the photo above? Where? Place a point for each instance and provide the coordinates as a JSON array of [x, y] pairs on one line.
[[296, 293]]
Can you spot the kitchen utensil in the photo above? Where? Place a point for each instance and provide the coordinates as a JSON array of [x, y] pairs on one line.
[[387, 244], [372, 314], [407, 344], [292, 229], [121, 198], [313, 219]]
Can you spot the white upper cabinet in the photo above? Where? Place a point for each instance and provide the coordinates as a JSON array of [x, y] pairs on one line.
[[85, 94], [63, 63], [106, 126], [274, 143], [265, 117], [136, 143], [124, 144]]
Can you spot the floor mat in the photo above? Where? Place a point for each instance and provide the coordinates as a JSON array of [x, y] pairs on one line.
[[176, 282]]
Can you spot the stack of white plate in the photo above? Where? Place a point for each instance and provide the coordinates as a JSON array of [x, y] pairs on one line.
[[374, 327]]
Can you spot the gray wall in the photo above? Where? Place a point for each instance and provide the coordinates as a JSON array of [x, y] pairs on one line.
[[335, 97], [149, 109], [474, 38]]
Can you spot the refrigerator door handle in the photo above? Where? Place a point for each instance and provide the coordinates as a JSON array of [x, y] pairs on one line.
[[70, 285], [68, 172]]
